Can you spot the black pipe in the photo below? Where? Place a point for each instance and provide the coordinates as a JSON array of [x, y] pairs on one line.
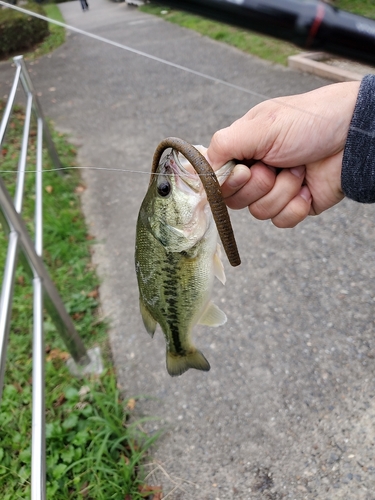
[[310, 24]]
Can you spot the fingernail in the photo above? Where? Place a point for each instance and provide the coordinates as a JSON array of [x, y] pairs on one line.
[[305, 193], [239, 177], [298, 171]]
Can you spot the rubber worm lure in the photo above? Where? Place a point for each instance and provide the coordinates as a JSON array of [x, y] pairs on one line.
[[211, 186]]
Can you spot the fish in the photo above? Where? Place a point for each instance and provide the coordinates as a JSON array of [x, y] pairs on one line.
[[177, 257]]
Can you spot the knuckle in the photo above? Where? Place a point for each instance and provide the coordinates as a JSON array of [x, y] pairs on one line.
[[266, 183], [259, 211], [284, 224], [292, 215], [216, 138], [220, 140], [234, 204], [263, 178]]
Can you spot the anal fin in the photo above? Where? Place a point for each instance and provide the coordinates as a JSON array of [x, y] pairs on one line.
[[212, 316]]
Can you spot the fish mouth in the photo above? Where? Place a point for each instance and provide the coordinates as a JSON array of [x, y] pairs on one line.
[[185, 175]]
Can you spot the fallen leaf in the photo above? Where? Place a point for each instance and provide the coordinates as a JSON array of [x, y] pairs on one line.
[[57, 354], [131, 404], [85, 489], [59, 401], [49, 189], [17, 385], [85, 389], [21, 280], [93, 294], [147, 490], [79, 189]]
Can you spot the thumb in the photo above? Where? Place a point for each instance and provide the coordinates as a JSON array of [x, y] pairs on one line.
[[236, 142]]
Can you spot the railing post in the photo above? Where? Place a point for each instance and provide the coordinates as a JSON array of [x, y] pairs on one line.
[[29, 88], [6, 301], [38, 442], [9, 105], [6, 297]]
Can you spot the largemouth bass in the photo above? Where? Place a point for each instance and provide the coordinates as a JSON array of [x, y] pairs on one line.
[[177, 257]]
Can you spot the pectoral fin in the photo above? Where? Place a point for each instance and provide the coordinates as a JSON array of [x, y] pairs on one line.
[[218, 265], [148, 320], [213, 316]]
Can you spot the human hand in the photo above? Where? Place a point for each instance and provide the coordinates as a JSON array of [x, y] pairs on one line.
[[304, 136]]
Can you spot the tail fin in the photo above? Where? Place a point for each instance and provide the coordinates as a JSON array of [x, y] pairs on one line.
[[177, 365]]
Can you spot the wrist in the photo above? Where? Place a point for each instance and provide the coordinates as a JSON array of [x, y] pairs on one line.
[[358, 166]]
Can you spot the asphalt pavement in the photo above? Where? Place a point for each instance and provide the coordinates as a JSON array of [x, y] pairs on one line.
[[287, 410]]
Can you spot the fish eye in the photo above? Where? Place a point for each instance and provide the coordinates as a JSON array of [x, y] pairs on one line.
[[164, 188]]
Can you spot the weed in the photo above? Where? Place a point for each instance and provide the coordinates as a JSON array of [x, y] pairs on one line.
[[93, 452]]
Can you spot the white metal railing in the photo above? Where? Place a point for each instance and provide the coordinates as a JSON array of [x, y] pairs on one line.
[[44, 291]]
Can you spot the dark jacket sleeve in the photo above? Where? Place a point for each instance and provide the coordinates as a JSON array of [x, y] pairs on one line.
[[358, 166]]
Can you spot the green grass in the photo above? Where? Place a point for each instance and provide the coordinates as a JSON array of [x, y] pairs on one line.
[[361, 7], [261, 46], [265, 47], [56, 35], [93, 449]]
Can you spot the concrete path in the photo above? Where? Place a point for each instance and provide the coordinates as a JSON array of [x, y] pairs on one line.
[[287, 410]]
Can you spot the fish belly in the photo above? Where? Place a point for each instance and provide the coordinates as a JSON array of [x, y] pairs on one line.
[[175, 289]]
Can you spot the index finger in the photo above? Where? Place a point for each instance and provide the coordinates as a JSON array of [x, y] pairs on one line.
[[247, 185]]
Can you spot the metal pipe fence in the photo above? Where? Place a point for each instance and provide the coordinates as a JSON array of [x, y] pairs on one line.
[[45, 293]]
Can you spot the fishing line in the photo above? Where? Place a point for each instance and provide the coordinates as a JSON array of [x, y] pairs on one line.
[[157, 59], [47, 170], [134, 51], [154, 58]]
